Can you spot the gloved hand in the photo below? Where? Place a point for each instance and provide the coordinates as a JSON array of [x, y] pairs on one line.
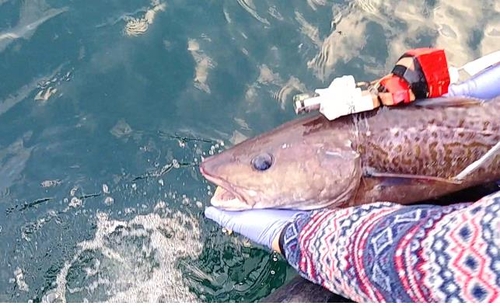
[[262, 226], [484, 85]]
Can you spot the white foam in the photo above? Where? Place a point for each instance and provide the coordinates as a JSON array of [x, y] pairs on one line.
[[19, 279], [131, 261]]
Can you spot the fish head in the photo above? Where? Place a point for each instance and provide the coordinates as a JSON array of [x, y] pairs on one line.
[[286, 168]]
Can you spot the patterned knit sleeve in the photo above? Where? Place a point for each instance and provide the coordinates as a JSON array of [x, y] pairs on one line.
[[384, 252]]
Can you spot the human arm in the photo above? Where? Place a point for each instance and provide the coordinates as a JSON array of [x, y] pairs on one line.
[[385, 252], [355, 252], [484, 85]]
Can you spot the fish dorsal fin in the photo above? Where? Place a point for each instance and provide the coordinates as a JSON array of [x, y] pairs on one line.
[[448, 102]]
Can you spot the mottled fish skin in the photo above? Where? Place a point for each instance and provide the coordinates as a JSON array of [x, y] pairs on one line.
[[319, 163], [431, 141]]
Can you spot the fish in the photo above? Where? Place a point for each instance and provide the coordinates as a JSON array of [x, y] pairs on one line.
[[398, 154]]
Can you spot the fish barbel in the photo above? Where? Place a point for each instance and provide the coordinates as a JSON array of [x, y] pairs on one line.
[[399, 154]]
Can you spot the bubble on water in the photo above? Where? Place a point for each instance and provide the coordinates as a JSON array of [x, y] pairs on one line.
[[75, 202], [160, 205], [109, 201], [212, 150], [72, 192], [199, 204], [175, 164], [105, 188], [246, 243], [131, 261], [226, 231], [161, 182], [19, 279], [50, 183], [129, 210], [51, 297]]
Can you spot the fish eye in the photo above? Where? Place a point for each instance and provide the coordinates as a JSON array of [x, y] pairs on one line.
[[262, 162]]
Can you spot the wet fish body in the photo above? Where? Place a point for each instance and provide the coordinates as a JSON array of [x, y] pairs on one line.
[[401, 154]]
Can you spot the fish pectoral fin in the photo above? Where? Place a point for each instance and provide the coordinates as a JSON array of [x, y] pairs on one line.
[[400, 177], [448, 102], [478, 163]]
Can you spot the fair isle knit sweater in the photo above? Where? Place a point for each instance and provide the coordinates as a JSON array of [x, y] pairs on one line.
[[385, 252]]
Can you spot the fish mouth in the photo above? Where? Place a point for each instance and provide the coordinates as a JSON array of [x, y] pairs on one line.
[[225, 196]]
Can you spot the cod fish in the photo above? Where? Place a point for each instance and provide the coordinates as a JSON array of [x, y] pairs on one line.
[[400, 154]]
